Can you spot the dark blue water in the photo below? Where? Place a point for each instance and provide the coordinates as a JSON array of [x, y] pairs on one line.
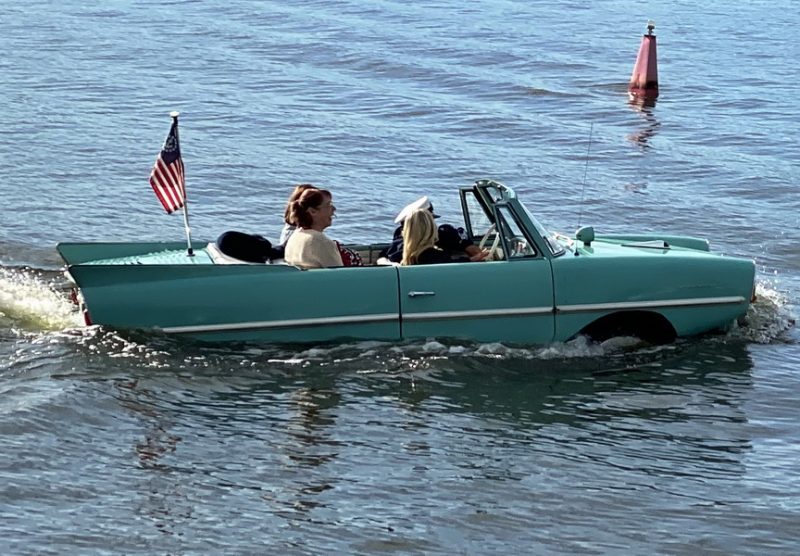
[[138, 444]]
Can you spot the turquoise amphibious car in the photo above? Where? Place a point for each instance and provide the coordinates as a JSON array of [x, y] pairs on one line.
[[540, 287]]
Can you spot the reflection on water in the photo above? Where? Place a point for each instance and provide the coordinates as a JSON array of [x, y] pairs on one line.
[[642, 103], [243, 437], [267, 438], [254, 440], [539, 393], [161, 500], [308, 428], [642, 137], [308, 443], [157, 441]]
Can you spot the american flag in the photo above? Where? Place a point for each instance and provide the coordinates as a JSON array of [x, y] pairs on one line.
[[167, 176]]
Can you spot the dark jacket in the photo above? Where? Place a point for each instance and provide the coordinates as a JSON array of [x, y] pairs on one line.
[[451, 240], [434, 255]]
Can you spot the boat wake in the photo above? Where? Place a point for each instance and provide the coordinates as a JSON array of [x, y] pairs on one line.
[[30, 301], [768, 320], [160, 352]]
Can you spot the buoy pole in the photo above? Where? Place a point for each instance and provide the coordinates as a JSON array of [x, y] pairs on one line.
[[644, 80]]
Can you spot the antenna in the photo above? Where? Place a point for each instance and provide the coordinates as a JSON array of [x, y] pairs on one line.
[[585, 169]]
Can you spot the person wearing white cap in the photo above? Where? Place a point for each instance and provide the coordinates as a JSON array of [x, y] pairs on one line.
[[451, 239], [421, 203]]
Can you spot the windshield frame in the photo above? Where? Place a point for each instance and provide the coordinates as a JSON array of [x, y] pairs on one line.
[[489, 194], [553, 240]]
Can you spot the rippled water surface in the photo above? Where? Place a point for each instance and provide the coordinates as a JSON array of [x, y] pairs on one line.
[[138, 444]]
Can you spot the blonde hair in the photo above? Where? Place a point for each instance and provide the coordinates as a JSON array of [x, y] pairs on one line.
[[419, 234]]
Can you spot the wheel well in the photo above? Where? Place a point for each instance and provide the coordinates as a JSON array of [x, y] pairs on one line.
[[648, 326]]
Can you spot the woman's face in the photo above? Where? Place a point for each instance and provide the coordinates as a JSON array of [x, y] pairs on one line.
[[322, 216]]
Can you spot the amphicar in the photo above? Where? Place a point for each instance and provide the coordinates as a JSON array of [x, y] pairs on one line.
[[539, 287]]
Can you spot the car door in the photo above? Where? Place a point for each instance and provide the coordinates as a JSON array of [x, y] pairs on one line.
[[508, 300], [504, 301]]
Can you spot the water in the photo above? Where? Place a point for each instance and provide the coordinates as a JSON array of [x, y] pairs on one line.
[[139, 444]]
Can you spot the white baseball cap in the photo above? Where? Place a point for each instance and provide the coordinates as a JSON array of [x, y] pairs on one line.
[[421, 203]]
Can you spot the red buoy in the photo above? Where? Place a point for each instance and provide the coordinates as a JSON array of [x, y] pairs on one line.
[[644, 80]]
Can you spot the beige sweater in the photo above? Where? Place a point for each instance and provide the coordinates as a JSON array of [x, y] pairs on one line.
[[311, 249]]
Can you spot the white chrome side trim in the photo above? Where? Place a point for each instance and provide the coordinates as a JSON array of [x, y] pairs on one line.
[[290, 323], [509, 312], [735, 299], [479, 313]]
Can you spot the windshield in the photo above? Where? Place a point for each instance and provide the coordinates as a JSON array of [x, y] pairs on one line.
[[553, 240]]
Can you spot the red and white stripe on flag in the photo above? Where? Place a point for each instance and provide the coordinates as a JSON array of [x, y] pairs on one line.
[[168, 183], [167, 177]]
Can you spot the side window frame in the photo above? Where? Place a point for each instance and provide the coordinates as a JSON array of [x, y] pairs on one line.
[[503, 213], [471, 200]]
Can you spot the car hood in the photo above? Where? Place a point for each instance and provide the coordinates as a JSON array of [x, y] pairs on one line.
[[645, 246]]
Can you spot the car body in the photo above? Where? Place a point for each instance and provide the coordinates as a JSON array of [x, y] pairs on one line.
[[541, 287]]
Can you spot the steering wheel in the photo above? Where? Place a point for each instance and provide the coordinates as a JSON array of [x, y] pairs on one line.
[[519, 247], [493, 249]]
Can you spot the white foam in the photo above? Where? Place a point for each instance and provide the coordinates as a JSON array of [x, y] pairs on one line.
[[27, 302], [433, 348], [768, 319]]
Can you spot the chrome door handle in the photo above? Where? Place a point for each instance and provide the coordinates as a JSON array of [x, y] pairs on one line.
[[420, 294]]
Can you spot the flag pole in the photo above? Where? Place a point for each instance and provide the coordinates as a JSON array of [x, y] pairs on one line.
[[189, 250]]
